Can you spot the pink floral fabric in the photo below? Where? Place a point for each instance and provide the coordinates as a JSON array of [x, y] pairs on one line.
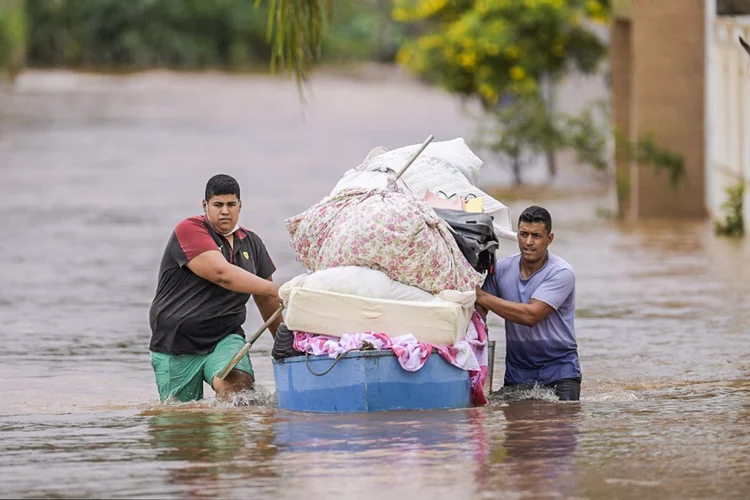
[[469, 354], [384, 230]]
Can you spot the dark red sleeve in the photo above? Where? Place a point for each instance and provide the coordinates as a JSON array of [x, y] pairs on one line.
[[192, 239]]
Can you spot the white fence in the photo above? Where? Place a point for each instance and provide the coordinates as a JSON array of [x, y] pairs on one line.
[[729, 112]]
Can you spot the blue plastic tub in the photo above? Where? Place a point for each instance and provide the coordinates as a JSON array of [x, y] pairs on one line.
[[368, 381]]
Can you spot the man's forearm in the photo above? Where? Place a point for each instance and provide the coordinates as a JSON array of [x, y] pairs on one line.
[[267, 306], [238, 280], [510, 311]]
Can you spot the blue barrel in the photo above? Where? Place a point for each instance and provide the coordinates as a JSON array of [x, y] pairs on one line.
[[368, 381]]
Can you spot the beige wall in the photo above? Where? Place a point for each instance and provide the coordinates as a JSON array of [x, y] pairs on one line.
[[622, 81], [666, 91]]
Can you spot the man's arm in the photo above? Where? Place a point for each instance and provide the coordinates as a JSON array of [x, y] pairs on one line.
[[267, 305], [212, 266], [524, 314]]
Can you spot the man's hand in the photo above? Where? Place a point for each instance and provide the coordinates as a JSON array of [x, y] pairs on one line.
[[481, 294], [267, 305], [481, 309]]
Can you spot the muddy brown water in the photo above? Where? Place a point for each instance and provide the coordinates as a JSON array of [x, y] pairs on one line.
[[94, 173]]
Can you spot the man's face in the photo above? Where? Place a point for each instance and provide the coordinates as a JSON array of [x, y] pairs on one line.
[[223, 211], [533, 241]]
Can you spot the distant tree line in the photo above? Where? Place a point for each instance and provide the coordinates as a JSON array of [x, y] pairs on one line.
[[179, 34]]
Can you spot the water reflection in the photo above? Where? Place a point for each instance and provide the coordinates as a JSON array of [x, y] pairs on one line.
[[406, 431], [216, 445], [536, 450], [374, 455]]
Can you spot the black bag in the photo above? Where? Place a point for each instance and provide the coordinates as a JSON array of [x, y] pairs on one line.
[[283, 344], [474, 235]]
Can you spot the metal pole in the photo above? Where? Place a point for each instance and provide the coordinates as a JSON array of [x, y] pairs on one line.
[[414, 156], [243, 350], [490, 364]]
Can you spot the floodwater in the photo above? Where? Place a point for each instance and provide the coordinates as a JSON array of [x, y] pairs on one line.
[[95, 171]]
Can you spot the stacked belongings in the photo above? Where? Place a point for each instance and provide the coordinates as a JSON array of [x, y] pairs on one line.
[[388, 271]]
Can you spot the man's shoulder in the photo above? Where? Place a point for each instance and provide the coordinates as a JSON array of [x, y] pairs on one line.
[[560, 264], [510, 262], [196, 221], [506, 261]]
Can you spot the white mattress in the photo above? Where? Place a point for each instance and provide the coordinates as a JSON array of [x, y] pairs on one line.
[[437, 322]]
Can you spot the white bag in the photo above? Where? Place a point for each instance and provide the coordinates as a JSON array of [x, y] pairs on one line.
[[447, 166], [364, 282]]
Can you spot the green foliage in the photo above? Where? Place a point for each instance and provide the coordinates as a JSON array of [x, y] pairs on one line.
[[523, 126], [146, 33], [504, 53], [519, 129], [295, 29], [646, 151], [12, 37], [362, 30], [489, 48], [586, 135], [196, 34], [734, 223]]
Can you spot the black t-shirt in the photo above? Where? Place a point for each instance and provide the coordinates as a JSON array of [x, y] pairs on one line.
[[190, 315]]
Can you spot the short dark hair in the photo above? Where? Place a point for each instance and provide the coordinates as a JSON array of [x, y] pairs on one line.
[[536, 214], [222, 184]]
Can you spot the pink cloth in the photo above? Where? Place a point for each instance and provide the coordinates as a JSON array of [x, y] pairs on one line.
[[469, 354]]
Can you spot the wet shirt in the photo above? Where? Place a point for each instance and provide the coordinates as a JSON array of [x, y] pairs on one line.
[[547, 352], [189, 314]]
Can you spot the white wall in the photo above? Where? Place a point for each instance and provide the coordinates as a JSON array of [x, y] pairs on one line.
[[728, 110]]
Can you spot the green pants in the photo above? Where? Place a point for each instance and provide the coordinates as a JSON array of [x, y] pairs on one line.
[[181, 376]]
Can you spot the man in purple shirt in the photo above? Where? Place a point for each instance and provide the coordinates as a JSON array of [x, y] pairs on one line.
[[534, 291]]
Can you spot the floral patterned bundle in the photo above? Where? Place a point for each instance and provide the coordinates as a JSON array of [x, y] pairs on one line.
[[384, 230]]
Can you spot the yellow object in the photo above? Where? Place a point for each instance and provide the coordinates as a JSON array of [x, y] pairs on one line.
[[475, 205]]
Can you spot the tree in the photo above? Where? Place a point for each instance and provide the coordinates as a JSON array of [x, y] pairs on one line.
[[12, 38], [509, 54], [487, 48], [295, 31]]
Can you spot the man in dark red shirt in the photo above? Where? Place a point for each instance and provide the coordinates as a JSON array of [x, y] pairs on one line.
[[210, 268]]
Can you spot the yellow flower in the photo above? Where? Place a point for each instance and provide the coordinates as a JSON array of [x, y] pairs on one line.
[[593, 7], [404, 56], [399, 14], [429, 42], [468, 60], [512, 52], [488, 93], [492, 49], [600, 18], [529, 4], [430, 7], [467, 41], [496, 27], [517, 73]]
